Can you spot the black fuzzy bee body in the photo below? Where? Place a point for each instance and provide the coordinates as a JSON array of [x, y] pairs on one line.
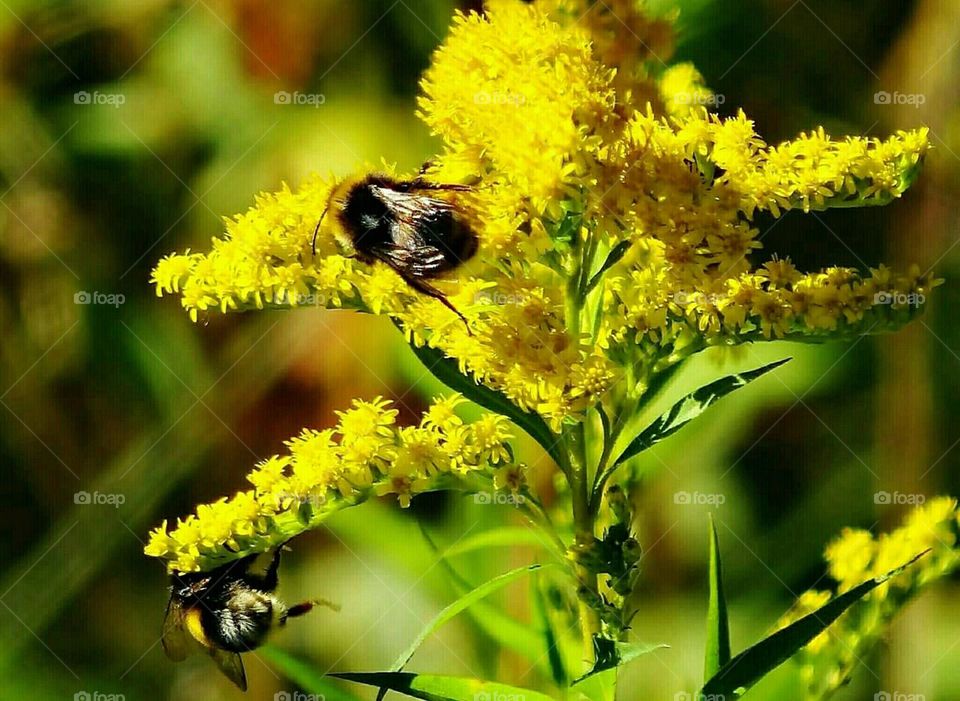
[[228, 610], [404, 224]]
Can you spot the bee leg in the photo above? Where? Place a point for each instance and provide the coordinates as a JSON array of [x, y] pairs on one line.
[[313, 246], [431, 291], [307, 606], [271, 576]]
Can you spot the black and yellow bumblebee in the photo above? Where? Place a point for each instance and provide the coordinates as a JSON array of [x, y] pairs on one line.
[[406, 225], [227, 611]]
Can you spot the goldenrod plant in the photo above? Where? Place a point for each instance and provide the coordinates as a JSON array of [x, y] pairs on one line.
[[828, 662], [614, 212]]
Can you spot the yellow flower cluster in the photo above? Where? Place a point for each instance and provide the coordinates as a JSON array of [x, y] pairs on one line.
[[326, 471], [614, 213], [853, 558]]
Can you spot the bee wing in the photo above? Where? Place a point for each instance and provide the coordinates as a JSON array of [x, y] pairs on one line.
[[417, 262], [410, 205], [174, 637], [408, 211], [231, 665]]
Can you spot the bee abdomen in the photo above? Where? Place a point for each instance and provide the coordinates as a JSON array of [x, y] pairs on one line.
[[244, 621]]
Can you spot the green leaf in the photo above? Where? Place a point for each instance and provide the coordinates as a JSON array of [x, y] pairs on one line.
[[505, 537], [718, 627], [448, 372], [689, 408], [304, 675], [751, 665], [507, 631], [616, 254], [610, 654], [460, 605], [542, 617], [440, 688]]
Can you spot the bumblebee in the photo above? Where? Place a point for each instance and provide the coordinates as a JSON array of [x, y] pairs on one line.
[[404, 224], [226, 611]]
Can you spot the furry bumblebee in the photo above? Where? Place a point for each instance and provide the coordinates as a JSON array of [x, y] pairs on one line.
[[227, 611], [406, 225]]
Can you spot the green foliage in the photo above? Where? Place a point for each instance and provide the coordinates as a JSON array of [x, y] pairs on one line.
[[609, 654], [447, 371], [439, 688], [751, 665], [718, 627], [459, 606]]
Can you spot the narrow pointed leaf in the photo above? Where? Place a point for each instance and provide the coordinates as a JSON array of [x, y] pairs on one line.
[[440, 688], [751, 665], [460, 605], [616, 254], [718, 628], [448, 372], [510, 633], [506, 537], [305, 675], [552, 645], [610, 655], [690, 407]]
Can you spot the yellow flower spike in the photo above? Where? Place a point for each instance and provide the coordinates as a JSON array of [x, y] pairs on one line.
[[613, 215], [856, 556], [325, 471], [532, 104]]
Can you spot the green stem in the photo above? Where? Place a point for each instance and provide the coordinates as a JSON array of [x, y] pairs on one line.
[[583, 535], [621, 419], [544, 522]]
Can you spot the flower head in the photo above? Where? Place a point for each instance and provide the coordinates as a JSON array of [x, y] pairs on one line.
[[329, 470], [857, 556], [614, 213]]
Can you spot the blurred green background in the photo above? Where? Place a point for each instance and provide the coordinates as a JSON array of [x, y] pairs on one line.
[[129, 129]]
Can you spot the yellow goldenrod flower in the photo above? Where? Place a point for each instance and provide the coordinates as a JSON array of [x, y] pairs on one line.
[[330, 470], [613, 214], [856, 556], [614, 233], [512, 478]]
